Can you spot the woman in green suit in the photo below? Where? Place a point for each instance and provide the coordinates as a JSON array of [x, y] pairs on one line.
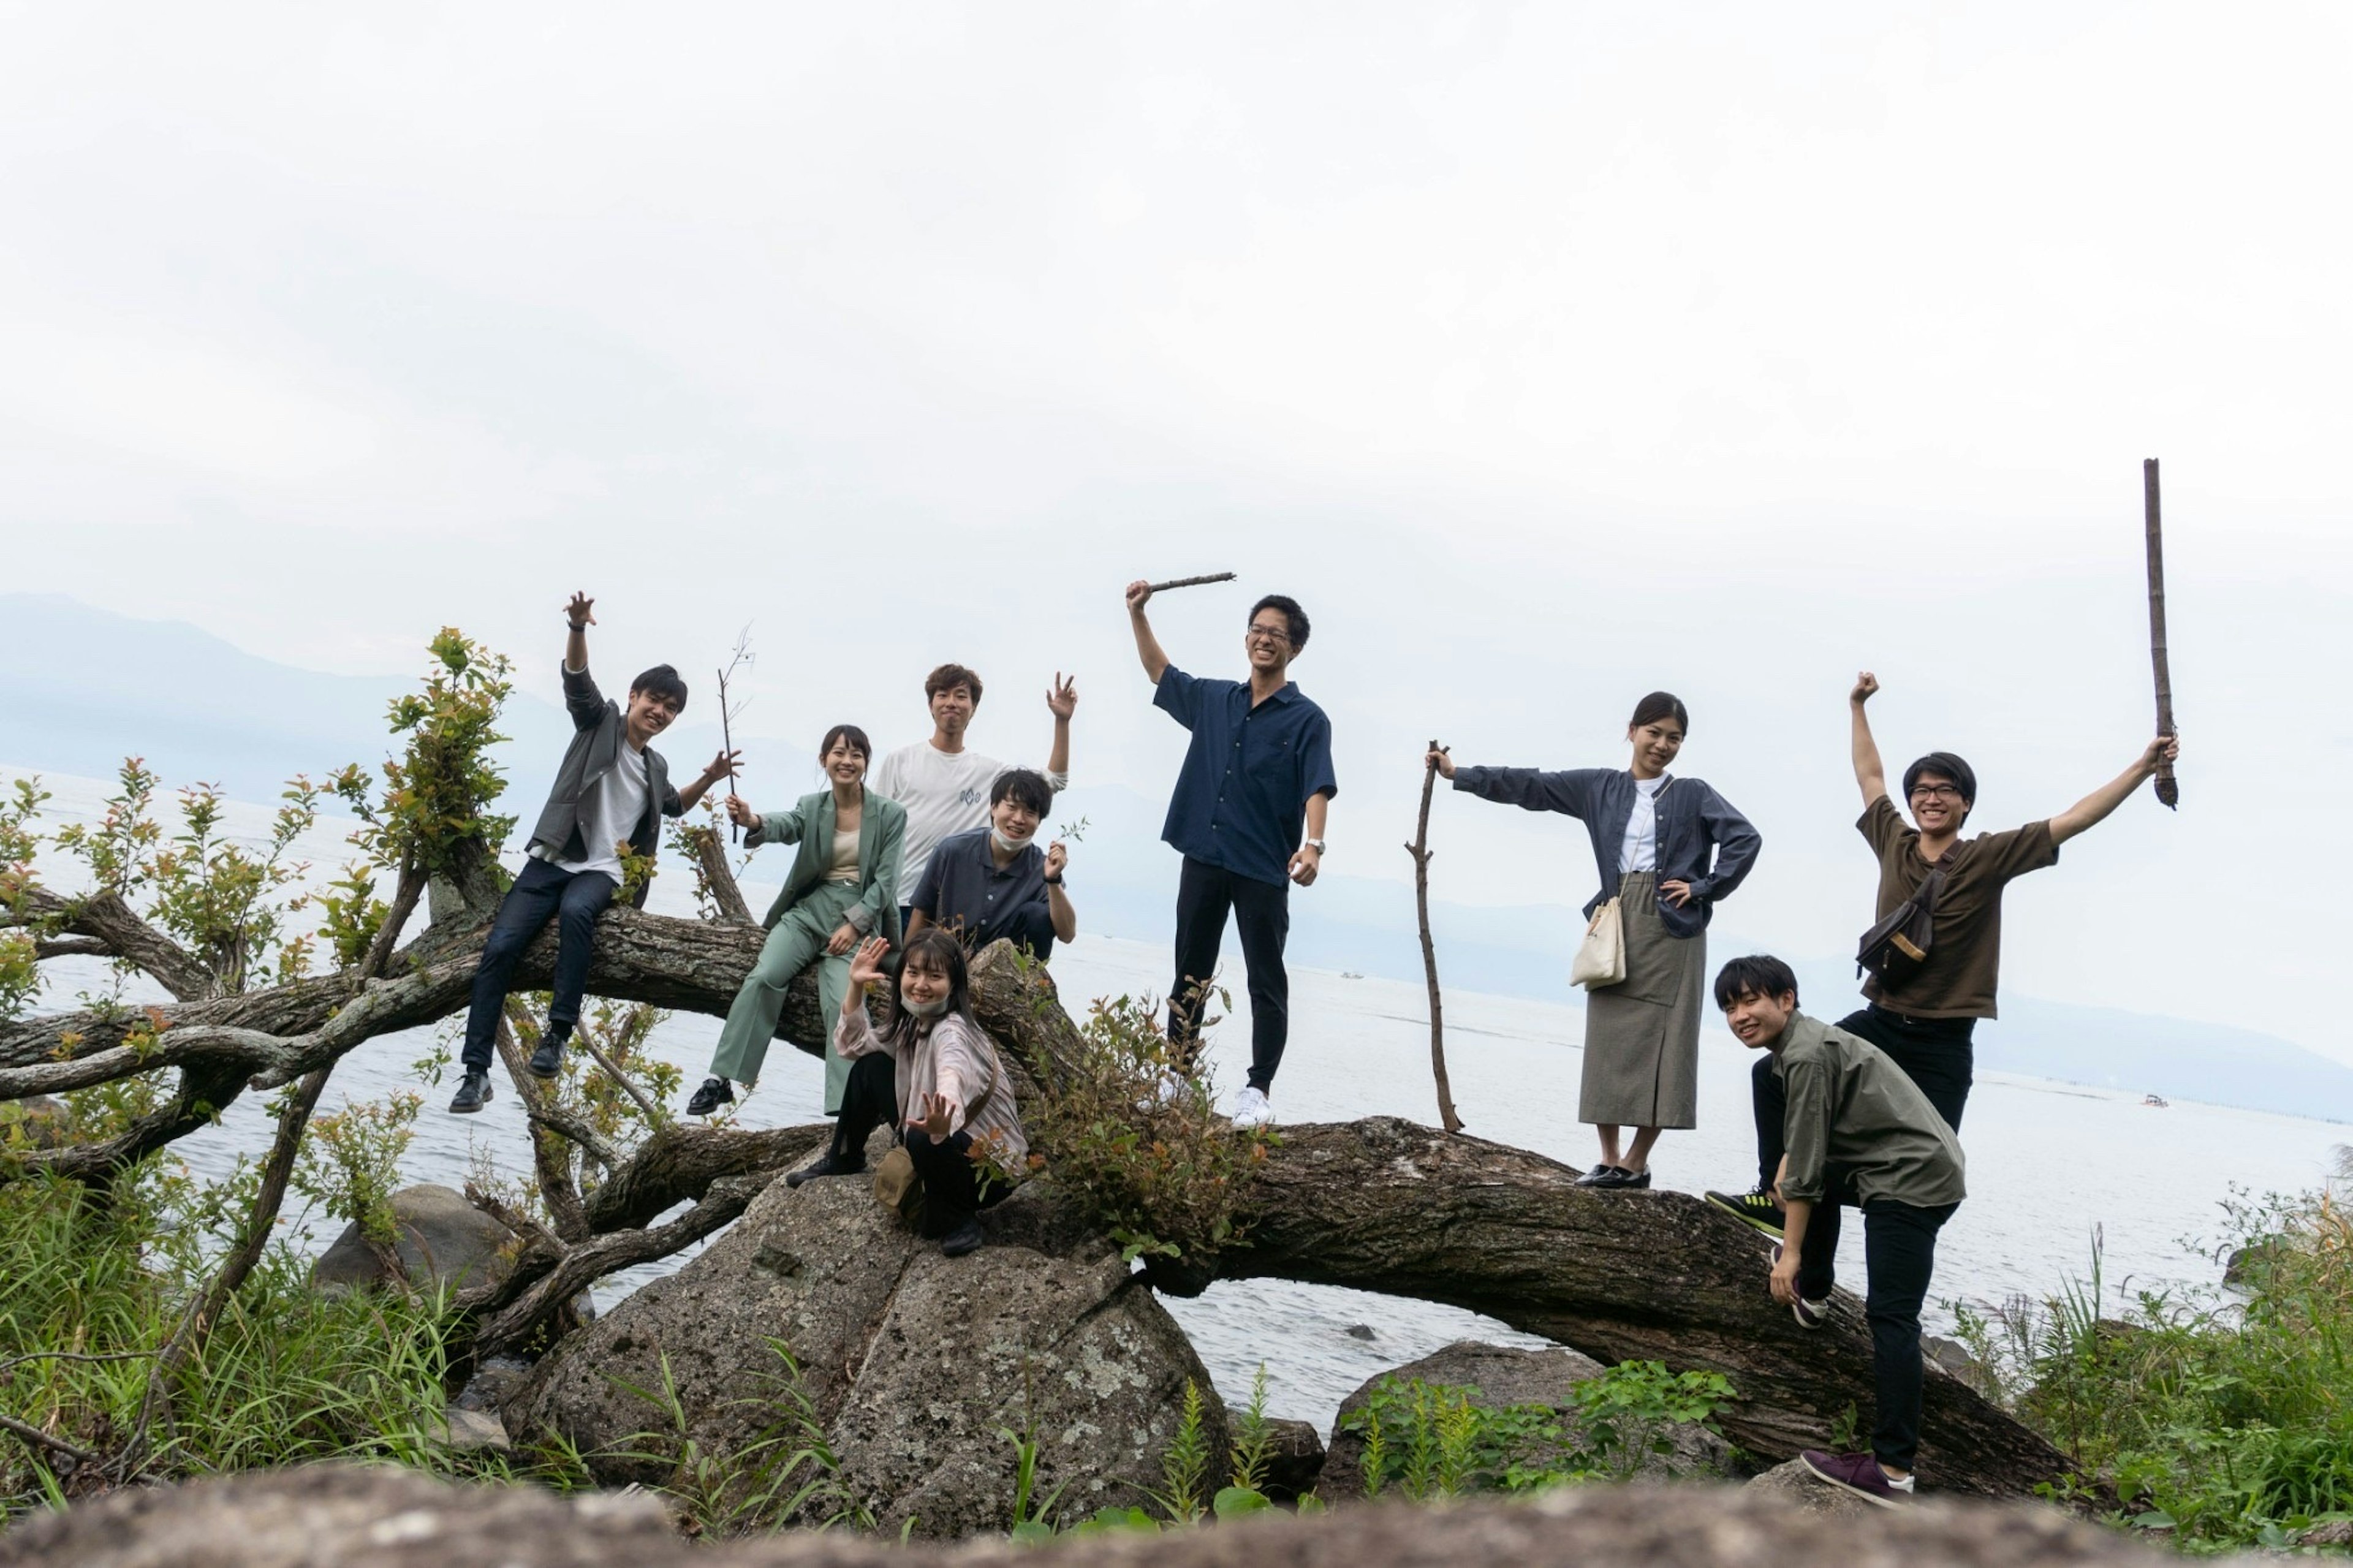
[[844, 888]]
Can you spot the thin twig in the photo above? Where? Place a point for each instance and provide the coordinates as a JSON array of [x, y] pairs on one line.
[[31, 1434], [1419, 850], [654, 1113], [1192, 582], [727, 710]]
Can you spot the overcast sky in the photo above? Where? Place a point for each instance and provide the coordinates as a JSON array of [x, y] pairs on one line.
[[1548, 353]]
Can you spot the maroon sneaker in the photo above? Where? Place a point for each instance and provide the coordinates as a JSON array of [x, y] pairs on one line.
[[1857, 1473]]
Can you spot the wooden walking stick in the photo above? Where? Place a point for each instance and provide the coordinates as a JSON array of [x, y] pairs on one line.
[[1192, 582], [1419, 850], [743, 655], [2168, 790]]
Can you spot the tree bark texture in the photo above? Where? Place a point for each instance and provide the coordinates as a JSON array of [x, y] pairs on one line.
[[1385, 1204], [2169, 792]]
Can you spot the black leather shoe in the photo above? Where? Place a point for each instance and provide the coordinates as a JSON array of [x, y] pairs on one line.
[[966, 1237], [473, 1093], [714, 1093], [832, 1163], [1615, 1179], [548, 1060]]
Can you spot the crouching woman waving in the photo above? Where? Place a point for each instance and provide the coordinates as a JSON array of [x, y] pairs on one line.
[[935, 1075]]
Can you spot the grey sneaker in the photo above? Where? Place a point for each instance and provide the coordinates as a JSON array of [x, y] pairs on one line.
[[1809, 1314]]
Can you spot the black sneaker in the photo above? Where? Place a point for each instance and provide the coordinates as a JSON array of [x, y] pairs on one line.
[[714, 1093], [828, 1164], [1755, 1207], [966, 1237], [548, 1060], [473, 1093]]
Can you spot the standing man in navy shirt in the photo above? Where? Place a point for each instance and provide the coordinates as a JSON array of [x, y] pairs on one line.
[[1259, 764]]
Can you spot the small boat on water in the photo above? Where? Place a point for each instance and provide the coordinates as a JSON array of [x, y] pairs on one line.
[[2156, 1099], [1350, 974]]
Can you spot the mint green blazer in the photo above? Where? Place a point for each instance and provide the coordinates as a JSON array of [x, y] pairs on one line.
[[882, 839]]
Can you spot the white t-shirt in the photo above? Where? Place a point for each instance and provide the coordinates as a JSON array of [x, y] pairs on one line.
[[1640, 850], [945, 794], [612, 813]]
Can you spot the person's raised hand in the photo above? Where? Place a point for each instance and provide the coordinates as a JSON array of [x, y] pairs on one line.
[[726, 765], [1062, 697], [866, 966], [938, 1121], [1865, 683], [2164, 749], [844, 938], [1139, 594], [581, 611], [740, 811], [1436, 758], [1056, 859]]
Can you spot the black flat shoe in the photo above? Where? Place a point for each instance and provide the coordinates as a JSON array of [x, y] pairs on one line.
[[473, 1093], [966, 1237], [830, 1165], [1601, 1176], [1616, 1179], [714, 1093]]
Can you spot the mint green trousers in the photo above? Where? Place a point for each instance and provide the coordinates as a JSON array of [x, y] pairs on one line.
[[794, 943]]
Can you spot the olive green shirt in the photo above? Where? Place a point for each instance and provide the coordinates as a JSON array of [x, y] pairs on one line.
[[1964, 964], [1852, 1106]]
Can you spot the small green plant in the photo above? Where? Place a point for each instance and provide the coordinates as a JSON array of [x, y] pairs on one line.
[[1033, 1516], [1184, 1467]]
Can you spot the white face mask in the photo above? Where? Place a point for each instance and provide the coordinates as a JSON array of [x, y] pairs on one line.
[[1007, 844], [933, 1008]]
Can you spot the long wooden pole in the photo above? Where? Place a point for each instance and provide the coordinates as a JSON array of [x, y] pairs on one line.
[[1419, 850], [1192, 582], [2168, 790]]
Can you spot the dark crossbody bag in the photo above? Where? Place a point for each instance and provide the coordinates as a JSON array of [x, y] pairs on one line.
[[1895, 949]]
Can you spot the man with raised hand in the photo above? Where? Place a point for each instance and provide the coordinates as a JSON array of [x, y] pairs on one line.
[[611, 792], [944, 787], [1260, 764], [1925, 1019], [1859, 1131]]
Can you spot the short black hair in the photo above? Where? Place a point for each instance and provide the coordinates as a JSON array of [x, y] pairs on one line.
[[1291, 612], [849, 733], [1758, 972], [947, 678], [1944, 765], [1025, 786], [1660, 705], [661, 681]]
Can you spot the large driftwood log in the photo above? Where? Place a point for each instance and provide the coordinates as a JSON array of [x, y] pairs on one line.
[[1386, 1204]]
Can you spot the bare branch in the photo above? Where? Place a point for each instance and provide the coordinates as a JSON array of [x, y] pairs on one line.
[[240, 1050], [32, 1433], [551, 1162], [718, 878], [405, 895], [681, 1162], [105, 919], [73, 947]]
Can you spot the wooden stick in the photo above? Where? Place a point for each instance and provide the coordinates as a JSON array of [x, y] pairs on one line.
[[1192, 582], [1419, 850], [727, 716], [2168, 790]]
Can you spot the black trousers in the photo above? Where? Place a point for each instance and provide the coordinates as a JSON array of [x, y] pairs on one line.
[[951, 1191], [543, 891], [1261, 911], [1899, 1244], [1935, 1053]]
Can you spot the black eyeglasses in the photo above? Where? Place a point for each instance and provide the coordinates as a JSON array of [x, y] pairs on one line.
[[1256, 632], [1937, 792]]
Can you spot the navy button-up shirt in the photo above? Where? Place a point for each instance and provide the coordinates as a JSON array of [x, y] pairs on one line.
[[965, 891], [1248, 775]]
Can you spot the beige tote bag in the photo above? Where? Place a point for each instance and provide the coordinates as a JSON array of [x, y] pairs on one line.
[[1600, 958]]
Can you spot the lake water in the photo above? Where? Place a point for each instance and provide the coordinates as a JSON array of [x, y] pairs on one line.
[[2049, 1162]]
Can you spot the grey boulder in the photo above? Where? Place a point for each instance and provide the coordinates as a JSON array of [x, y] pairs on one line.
[[442, 1238]]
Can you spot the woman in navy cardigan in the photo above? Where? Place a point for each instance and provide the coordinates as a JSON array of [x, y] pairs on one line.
[[1667, 848]]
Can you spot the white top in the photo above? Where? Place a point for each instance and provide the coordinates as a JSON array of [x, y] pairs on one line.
[[612, 813], [1640, 850], [943, 793]]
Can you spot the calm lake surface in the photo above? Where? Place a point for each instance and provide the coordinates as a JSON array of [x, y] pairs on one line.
[[2050, 1163]]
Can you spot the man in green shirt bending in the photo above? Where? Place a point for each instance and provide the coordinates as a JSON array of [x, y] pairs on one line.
[[1857, 1131]]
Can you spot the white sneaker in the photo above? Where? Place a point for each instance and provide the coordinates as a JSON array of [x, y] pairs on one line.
[[1809, 1314], [1169, 1093], [1250, 1108]]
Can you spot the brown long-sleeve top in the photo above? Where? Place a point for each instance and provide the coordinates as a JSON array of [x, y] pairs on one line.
[[953, 1059]]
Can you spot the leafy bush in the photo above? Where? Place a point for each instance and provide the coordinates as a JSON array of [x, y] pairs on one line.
[[1131, 1135], [2223, 1423]]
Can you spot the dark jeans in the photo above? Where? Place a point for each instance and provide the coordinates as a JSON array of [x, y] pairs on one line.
[[951, 1184], [1263, 912], [1934, 1053], [1899, 1251], [574, 899]]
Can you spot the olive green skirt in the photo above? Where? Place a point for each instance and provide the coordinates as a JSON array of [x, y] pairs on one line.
[[1641, 1034]]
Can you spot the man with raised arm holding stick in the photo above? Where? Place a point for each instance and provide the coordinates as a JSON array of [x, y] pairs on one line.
[[1259, 764]]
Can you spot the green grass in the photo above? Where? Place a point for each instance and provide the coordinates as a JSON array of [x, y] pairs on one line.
[[2222, 1422]]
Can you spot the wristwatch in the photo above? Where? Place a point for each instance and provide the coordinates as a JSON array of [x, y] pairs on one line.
[[1316, 844]]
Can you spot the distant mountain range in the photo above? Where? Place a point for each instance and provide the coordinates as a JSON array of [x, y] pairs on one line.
[[197, 708]]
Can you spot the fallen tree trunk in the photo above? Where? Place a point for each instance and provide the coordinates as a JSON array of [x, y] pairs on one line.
[[1385, 1204]]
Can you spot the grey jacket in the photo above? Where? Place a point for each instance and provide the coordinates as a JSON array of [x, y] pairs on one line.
[[598, 726], [1692, 822]]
